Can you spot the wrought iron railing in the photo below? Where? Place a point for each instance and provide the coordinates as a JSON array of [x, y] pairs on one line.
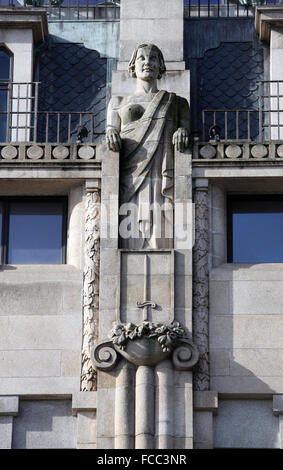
[[72, 9], [230, 124], [260, 124], [49, 127], [224, 8], [110, 9], [21, 120]]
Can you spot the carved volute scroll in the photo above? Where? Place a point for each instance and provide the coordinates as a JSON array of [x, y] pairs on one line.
[[91, 285]]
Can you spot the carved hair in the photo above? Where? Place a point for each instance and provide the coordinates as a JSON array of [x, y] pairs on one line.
[[131, 65]]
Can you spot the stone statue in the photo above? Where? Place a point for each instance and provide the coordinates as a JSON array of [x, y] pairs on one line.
[[145, 127]]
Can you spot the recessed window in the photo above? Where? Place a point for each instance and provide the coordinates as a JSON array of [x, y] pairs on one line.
[[33, 230], [5, 77], [255, 229]]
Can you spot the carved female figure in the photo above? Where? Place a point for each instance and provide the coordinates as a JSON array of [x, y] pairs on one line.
[[145, 127]]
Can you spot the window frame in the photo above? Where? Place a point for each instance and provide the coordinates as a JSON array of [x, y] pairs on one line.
[[10, 54], [231, 198], [6, 203], [8, 83]]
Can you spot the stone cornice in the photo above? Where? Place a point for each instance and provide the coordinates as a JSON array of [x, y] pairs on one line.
[[265, 18], [25, 18]]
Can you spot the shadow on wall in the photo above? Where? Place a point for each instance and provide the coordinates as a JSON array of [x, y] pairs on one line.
[[44, 424], [247, 424], [246, 353], [246, 334], [72, 78]]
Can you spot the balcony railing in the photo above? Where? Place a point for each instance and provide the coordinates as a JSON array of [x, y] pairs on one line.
[[72, 9], [22, 121], [110, 9], [224, 8], [49, 126], [264, 123]]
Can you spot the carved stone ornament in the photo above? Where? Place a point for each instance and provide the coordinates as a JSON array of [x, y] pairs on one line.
[[146, 344], [90, 293], [201, 289], [104, 356], [146, 127]]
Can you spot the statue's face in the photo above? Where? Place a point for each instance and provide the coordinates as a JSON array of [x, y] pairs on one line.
[[147, 64]]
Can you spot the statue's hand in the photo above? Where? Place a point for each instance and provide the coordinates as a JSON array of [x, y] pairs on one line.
[[181, 139], [113, 139]]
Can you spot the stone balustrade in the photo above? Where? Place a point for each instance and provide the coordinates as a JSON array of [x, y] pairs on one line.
[[238, 152], [47, 153]]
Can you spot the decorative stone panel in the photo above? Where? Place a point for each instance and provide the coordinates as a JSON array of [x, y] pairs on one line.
[[46, 153], [238, 151]]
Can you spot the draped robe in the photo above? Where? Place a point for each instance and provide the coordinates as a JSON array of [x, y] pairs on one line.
[[146, 175]]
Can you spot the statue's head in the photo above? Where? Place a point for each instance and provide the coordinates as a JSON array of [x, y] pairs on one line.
[[150, 51]]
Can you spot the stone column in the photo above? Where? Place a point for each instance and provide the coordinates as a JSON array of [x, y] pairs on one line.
[[145, 408], [109, 302], [84, 408], [164, 405], [205, 407], [91, 281], [125, 407], [269, 26], [9, 407], [278, 411], [200, 284], [20, 31]]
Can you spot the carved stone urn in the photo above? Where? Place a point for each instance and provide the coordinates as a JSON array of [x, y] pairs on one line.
[[143, 352], [146, 344]]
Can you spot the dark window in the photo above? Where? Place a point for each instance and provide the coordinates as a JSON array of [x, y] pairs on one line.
[[255, 229], [33, 230], [1, 212], [5, 77]]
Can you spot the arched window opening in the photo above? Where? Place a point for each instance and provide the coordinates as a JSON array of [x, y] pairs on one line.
[[5, 79]]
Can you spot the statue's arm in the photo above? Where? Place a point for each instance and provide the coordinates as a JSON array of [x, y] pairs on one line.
[[182, 134], [113, 128]]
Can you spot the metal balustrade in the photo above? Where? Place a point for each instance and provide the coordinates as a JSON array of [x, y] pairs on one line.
[[50, 126], [71, 9], [224, 8], [265, 123], [101, 9], [22, 121]]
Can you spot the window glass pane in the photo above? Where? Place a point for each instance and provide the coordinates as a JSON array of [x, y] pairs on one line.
[[35, 233], [5, 61], [5, 66], [1, 212], [257, 230], [3, 116]]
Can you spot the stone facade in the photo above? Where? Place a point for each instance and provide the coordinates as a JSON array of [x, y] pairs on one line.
[[74, 369]]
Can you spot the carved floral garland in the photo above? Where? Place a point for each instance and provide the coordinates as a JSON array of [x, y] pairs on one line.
[[91, 281], [166, 335], [200, 289]]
